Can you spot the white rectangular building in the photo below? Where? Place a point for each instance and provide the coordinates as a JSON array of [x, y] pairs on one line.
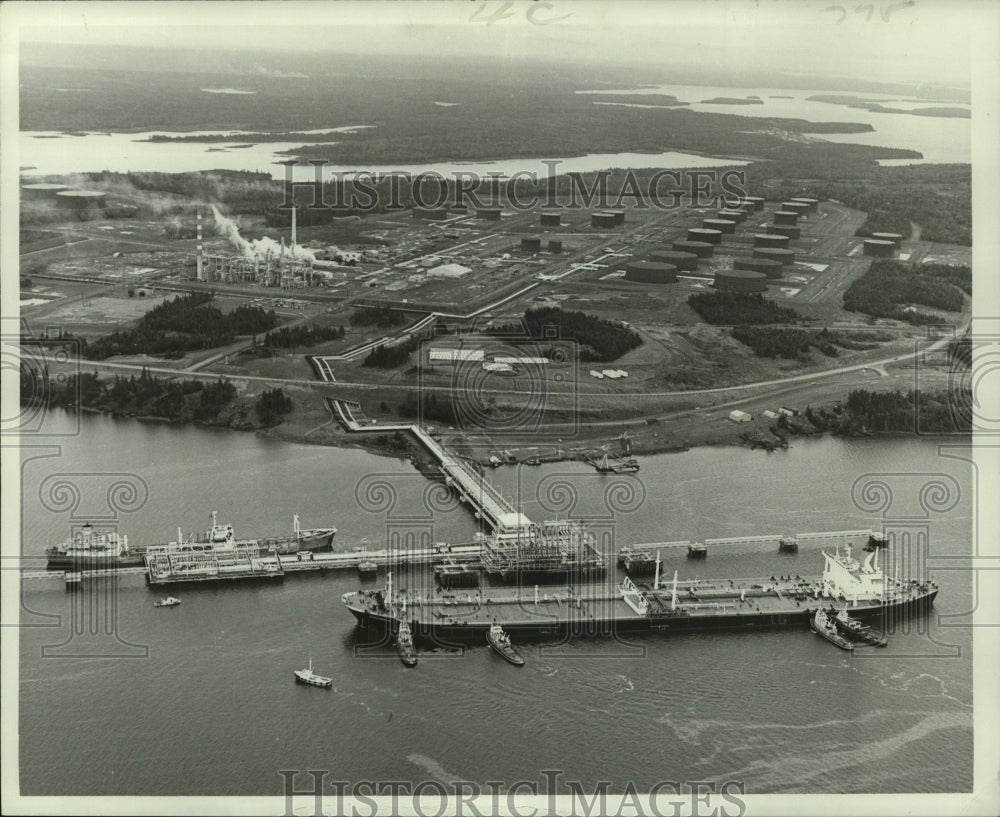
[[438, 354], [738, 416]]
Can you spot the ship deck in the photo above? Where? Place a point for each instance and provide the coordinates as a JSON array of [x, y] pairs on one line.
[[749, 599]]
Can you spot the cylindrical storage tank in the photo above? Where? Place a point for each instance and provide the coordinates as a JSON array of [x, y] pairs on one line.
[[775, 254], [756, 203], [732, 215], [81, 199], [784, 229], [879, 248], [895, 238], [812, 204], [602, 220], [41, 190], [686, 261], [786, 217], [770, 267], [761, 240], [702, 249], [796, 207], [650, 272], [723, 225], [459, 208], [489, 213], [703, 234], [531, 244], [740, 281], [555, 246], [551, 219], [619, 216]]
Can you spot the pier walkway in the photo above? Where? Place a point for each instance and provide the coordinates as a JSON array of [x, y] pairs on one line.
[[471, 486]]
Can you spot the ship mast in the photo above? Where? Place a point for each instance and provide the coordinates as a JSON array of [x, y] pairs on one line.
[[673, 593], [656, 578]]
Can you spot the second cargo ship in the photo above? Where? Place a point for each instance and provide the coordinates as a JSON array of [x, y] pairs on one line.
[[860, 588], [89, 549]]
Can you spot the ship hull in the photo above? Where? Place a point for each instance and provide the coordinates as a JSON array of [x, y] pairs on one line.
[[444, 632], [316, 540]]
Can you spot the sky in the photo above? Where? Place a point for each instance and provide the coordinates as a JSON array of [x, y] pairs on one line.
[[908, 40]]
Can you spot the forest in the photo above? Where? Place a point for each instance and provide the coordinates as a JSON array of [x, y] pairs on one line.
[[291, 336], [739, 308], [180, 325], [599, 340], [890, 288]]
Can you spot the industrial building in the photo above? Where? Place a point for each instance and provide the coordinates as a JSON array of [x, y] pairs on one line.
[[684, 261], [531, 244], [786, 230], [702, 249], [879, 248], [740, 281], [738, 416], [650, 272], [723, 225], [768, 240], [787, 217], [438, 354], [449, 271], [775, 254], [81, 199], [703, 234]]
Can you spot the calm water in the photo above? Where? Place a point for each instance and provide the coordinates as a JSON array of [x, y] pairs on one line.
[[939, 139], [49, 153], [200, 700]]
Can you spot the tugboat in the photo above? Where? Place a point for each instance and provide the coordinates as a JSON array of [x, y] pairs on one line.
[[169, 601], [404, 645], [697, 551], [823, 625], [857, 630], [307, 676], [500, 642], [788, 544]]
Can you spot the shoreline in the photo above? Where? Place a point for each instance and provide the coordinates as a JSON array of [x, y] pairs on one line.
[[406, 449]]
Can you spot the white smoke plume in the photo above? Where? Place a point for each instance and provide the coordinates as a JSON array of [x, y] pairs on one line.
[[259, 248]]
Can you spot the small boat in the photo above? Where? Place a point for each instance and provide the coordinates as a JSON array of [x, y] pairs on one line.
[[500, 642], [786, 544], [404, 645], [852, 628], [169, 601], [823, 625], [367, 570], [307, 676]]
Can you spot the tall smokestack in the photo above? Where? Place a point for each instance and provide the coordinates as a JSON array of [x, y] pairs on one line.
[[294, 208], [200, 269]]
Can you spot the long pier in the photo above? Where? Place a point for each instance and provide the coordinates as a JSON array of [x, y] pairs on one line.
[[471, 486]]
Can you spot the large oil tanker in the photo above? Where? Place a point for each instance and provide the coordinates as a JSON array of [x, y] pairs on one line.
[[89, 549], [860, 588]]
